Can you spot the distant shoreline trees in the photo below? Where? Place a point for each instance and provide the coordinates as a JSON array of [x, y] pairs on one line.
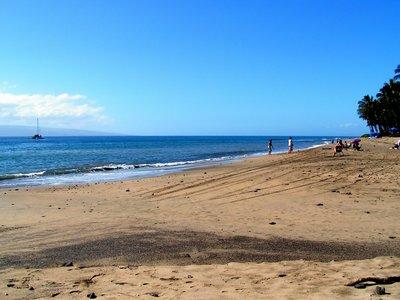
[[382, 113]]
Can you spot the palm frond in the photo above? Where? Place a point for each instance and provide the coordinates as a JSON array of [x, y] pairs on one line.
[[397, 73]]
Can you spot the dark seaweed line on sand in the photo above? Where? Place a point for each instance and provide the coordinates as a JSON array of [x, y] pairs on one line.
[[191, 247]]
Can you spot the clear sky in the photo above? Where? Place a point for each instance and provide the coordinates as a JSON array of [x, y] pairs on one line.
[[195, 67]]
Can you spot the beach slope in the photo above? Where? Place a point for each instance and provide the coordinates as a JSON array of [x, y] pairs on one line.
[[302, 225]]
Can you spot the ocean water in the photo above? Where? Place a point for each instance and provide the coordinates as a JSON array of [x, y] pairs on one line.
[[71, 160]]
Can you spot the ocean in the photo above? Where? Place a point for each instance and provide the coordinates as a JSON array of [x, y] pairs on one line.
[[79, 160]]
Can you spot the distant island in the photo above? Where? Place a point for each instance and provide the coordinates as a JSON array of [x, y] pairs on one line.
[[28, 131]]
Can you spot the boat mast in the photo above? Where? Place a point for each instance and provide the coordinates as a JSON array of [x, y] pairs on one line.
[[37, 126]]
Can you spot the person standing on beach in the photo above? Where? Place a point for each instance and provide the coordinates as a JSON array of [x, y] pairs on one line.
[[270, 147], [290, 145]]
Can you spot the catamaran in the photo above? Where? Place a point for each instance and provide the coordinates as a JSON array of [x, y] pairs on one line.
[[37, 136]]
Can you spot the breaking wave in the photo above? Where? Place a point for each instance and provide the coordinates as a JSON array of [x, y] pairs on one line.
[[114, 167]]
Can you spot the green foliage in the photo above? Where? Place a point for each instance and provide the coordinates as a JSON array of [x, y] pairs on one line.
[[397, 73], [382, 112], [366, 135]]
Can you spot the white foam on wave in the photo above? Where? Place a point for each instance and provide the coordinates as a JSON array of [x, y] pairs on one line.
[[111, 167], [317, 146], [20, 175]]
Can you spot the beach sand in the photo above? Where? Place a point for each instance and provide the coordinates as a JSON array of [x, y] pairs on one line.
[[283, 226]]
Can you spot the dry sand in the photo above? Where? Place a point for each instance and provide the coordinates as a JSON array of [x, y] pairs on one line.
[[282, 226]]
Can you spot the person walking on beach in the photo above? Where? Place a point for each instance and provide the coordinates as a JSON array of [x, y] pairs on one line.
[[290, 145], [270, 147]]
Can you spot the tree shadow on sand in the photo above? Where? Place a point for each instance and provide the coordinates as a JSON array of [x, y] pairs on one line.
[[190, 247]]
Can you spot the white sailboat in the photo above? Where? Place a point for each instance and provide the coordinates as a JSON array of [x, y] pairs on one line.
[[37, 136]]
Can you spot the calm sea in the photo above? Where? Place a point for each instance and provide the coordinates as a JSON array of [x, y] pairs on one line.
[[70, 160]]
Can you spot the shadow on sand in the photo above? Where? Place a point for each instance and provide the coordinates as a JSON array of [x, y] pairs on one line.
[[189, 247]]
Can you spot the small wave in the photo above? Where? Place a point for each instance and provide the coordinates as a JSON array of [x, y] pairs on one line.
[[316, 146], [188, 162], [112, 167], [21, 175]]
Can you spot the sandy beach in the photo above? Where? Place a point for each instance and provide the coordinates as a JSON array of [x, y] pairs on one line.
[[298, 226]]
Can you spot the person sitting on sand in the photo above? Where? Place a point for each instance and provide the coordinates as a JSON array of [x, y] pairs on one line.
[[290, 145], [396, 145], [346, 145], [338, 148], [356, 145], [270, 147]]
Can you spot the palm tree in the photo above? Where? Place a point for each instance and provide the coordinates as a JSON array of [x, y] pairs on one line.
[[383, 112], [367, 111], [397, 73], [389, 98]]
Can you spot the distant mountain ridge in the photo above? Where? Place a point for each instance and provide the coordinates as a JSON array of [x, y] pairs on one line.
[[17, 130]]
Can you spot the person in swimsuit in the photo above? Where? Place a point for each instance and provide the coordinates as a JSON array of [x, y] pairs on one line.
[[290, 145], [270, 147]]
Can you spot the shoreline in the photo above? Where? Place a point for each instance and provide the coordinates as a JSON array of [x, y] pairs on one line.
[[314, 217], [155, 170]]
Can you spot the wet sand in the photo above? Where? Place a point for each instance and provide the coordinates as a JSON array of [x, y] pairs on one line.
[[331, 219]]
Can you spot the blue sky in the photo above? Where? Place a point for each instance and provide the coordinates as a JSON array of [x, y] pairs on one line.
[[195, 67]]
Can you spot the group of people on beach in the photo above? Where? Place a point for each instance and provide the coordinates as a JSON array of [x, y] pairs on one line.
[[290, 146], [340, 146], [355, 145], [337, 149]]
